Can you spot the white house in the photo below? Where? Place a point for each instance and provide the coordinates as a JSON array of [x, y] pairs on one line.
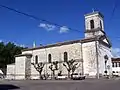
[[92, 53], [116, 66]]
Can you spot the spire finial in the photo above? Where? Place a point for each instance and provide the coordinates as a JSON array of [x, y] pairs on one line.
[[34, 44], [93, 9]]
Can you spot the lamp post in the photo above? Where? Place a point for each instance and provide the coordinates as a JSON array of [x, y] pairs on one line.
[[108, 67], [106, 59]]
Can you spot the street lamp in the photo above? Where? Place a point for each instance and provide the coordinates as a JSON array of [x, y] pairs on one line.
[[106, 59]]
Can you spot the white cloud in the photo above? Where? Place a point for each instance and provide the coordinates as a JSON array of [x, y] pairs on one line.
[[47, 27], [21, 45], [64, 29], [116, 52], [50, 27]]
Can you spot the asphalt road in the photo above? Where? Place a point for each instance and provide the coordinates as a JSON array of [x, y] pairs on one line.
[[90, 84]]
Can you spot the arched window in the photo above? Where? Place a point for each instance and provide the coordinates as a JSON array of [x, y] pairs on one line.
[[36, 59], [49, 58], [92, 24], [65, 57], [100, 24]]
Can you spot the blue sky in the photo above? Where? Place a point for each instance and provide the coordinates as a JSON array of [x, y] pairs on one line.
[[69, 13]]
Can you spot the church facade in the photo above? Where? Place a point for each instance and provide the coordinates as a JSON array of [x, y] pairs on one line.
[[92, 54]]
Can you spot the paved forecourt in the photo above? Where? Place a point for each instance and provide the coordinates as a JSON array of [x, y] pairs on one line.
[[89, 84]]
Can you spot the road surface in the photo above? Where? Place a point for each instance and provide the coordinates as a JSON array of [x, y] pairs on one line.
[[90, 84]]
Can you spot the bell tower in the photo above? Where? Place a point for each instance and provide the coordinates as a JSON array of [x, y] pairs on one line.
[[94, 25]]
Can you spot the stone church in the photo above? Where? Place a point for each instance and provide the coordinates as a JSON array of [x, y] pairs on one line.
[[92, 54]]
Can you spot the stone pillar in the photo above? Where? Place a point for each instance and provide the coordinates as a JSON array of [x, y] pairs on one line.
[[28, 67]]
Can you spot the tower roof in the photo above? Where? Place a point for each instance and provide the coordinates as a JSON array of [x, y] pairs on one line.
[[95, 12]]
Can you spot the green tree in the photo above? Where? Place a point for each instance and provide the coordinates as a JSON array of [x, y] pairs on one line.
[[7, 53]]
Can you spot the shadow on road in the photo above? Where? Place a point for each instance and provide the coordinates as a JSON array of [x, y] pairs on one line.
[[8, 87]]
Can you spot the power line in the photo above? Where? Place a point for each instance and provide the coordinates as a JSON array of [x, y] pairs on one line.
[[111, 17], [114, 8], [113, 11], [36, 18], [39, 19]]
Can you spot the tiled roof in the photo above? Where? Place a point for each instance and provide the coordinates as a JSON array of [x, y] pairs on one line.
[[115, 59], [23, 55], [62, 43], [66, 43]]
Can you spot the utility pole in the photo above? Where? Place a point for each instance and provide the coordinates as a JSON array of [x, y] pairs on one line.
[[97, 57]]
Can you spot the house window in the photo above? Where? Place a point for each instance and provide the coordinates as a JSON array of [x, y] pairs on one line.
[[119, 64], [36, 59], [49, 58], [92, 24], [65, 57], [113, 64], [116, 64]]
